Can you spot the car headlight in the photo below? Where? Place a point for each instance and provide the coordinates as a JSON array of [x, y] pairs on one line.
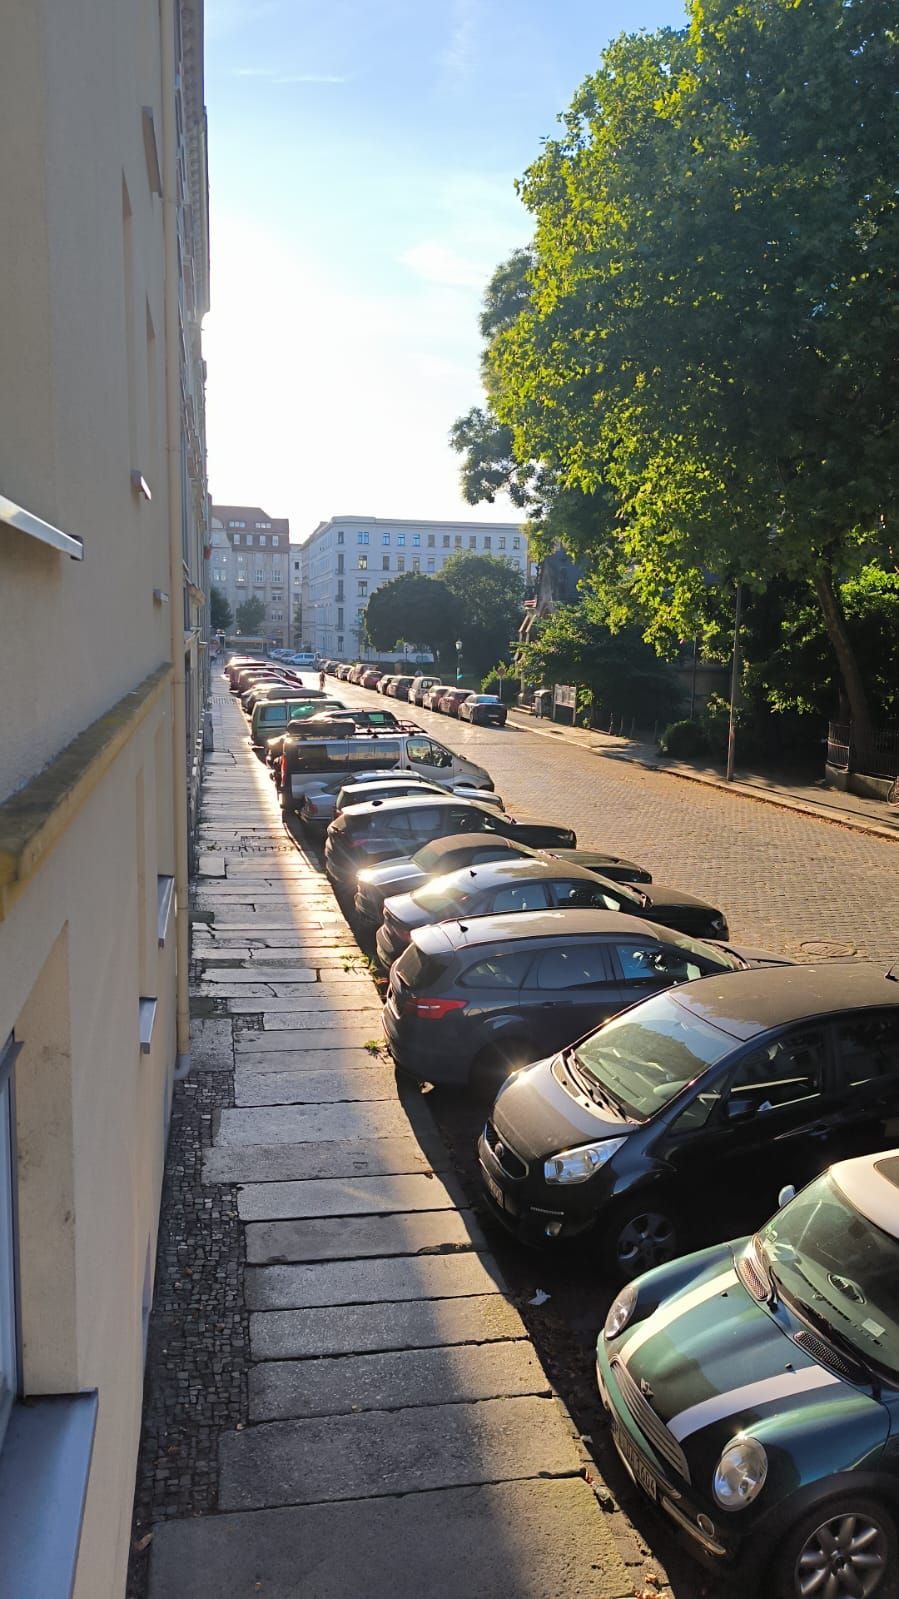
[[621, 1311], [740, 1473], [577, 1165]]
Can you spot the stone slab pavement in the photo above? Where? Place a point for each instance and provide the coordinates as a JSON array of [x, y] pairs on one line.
[[391, 1430]]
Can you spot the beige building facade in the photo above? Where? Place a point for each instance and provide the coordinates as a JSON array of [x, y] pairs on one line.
[[104, 640], [251, 559]]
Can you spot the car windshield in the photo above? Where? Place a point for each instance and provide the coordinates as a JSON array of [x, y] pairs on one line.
[[838, 1269], [645, 1057], [443, 897]]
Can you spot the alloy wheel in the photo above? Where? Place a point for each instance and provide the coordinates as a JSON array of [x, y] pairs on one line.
[[844, 1558], [645, 1241]]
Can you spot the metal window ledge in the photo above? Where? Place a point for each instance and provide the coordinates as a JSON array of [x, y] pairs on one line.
[[165, 899], [44, 1468], [148, 1009], [26, 522]]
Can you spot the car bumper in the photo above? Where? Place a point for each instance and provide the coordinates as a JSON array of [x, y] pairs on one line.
[[531, 1217], [418, 1050]]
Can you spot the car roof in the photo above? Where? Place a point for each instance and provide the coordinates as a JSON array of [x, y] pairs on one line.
[[413, 802], [871, 1184], [468, 932], [530, 868], [457, 841], [774, 996]]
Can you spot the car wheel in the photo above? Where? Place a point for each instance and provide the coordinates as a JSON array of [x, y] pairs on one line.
[[637, 1235], [840, 1551], [493, 1065]]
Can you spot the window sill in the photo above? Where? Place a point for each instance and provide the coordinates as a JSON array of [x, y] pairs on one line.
[[44, 1468], [165, 899]]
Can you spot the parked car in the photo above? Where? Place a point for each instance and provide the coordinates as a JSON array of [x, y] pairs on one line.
[[503, 887], [434, 695], [696, 1104], [450, 701], [343, 672], [614, 866], [351, 717], [753, 1390], [371, 679], [375, 884], [508, 989], [487, 709], [394, 827], [385, 682], [420, 688], [364, 787], [236, 664], [278, 689], [399, 687], [245, 675], [312, 767], [272, 718]]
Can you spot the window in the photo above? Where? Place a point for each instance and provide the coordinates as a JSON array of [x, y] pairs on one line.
[[340, 563], [502, 541], [646, 963], [385, 563], [586, 895], [237, 538], [472, 541], [488, 541], [362, 588], [339, 593], [249, 538], [446, 541], [430, 563], [519, 897], [401, 540], [237, 524], [262, 539], [277, 616], [262, 524], [296, 564], [789, 1069], [401, 563], [277, 596], [276, 540], [458, 541], [416, 563], [868, 1049], [498, 971], [340, 616], [423, 752], [362, 563], [516, 543], [416, 540], [340, 643], [385, 538], [260, 575], [9, 1377], [572, 967], [431, 541], [361, 538], [340, 535]]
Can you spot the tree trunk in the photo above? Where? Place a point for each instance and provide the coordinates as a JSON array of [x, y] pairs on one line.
[[838, 633]]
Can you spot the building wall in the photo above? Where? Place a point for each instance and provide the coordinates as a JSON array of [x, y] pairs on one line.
[[349, 557], [251, 556], [87, 649]]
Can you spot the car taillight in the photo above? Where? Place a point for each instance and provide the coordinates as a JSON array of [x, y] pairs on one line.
[[283, 768], [432, 1010]]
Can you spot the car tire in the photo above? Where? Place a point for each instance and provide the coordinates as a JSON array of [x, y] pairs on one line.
[[491, 1067], [639, 1233], [865, 1525]]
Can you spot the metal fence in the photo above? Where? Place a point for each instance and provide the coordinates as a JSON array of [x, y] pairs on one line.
[[876, 754]]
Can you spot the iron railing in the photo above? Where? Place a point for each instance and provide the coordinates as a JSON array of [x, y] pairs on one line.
[[875, 753]]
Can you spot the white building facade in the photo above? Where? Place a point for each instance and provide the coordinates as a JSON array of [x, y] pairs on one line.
[[347, 559]]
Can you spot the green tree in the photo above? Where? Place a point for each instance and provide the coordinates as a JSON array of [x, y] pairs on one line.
[[250, 616], [622, 673], [220, 613], [799, 672], [712, 330], [414, 608], [297, 624], [489, 595]]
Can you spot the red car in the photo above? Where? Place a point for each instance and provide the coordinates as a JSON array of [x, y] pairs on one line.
[[451, 701], [371, 679]]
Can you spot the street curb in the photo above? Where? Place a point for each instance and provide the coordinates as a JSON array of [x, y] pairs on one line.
[[787, 802]]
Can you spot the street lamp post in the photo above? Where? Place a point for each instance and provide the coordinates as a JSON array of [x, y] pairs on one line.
[[458, 660], [734, 685]]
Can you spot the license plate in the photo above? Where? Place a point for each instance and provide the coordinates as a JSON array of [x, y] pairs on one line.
[[641, 1473], [493, 1189]]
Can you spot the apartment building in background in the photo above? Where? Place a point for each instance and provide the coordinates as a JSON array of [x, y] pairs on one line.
[[103, 622], [250, 558], [346, 559]]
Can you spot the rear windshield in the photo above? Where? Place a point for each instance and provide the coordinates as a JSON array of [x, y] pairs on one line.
[[416, 970]]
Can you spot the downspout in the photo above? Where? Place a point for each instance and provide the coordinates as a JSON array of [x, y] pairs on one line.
[[176, 572]]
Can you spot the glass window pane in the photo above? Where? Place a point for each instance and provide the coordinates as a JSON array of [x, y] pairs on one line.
[[572, 967], [789, 1069], [500, 971], [521, 897], [868, 1048]]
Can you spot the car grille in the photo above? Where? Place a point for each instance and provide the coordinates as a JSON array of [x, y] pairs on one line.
[[822, 1351], [512, 1164], [649, 1423]]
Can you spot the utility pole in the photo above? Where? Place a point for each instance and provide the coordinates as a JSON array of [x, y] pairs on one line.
[[734, 685]]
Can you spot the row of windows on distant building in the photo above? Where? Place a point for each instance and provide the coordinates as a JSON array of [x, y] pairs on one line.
[[448, 541], [263, 537]]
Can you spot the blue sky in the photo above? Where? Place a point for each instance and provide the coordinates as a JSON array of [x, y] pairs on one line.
[[363, 155]]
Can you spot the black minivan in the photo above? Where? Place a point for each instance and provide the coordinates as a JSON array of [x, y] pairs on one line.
[[692, 1109]]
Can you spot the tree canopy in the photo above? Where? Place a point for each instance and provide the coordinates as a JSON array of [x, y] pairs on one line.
[[489, 596], [703, 342], [221, 615], [250, 615], [414, 608], [621, 671]]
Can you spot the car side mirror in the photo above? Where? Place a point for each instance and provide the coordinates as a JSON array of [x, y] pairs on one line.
[[787, 1193]]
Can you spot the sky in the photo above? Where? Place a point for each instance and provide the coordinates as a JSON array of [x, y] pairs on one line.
[[363, 157]]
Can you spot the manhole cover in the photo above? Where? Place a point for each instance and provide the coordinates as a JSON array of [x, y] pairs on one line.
[[826, 949]]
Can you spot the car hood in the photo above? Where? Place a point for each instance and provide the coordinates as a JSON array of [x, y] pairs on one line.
[[752, 956], [712, 1361], [660, 897], [537, 1116], [405, 912]]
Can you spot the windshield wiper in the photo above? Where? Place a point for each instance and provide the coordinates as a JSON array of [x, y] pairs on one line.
[[588, 1083]]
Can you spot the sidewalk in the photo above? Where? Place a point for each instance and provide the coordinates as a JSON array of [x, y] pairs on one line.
[[341, 1403], [815, 799]]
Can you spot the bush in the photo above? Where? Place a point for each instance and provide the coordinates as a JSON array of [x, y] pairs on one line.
[[684, 739], [506, 687]]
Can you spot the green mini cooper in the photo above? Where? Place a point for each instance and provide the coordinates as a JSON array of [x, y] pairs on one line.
[[754, 1389]]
